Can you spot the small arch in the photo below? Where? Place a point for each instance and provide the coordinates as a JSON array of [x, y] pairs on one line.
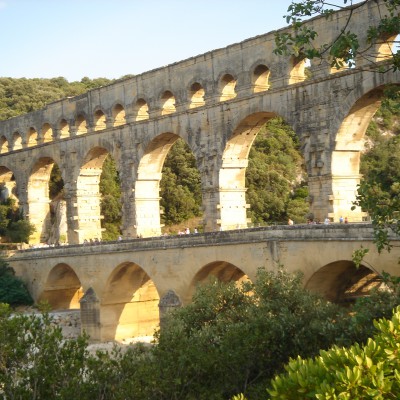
[[47, 133], [168, 103], [227, 87], [64, 129], [260, 79], [342, 282], [386, 47], [63, 289], [222, 270], [129, 307], [141, 110], [118, 114], [17, 141], [32, 137], [99, 120], [8, 183], [3, 145], [297, 72], [81, 125], [196, 95]]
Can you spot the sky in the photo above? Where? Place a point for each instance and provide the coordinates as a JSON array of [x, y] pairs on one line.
[[113, 38]]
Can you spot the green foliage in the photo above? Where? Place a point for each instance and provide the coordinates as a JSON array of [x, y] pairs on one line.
[[56, 183], [20, 96], [272, 174], [180, 186], [110, 205], [344, 48], [371, 371], [12, 289]]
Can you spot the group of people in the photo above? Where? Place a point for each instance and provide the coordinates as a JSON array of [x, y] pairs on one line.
[[327, 221], [187, 231]]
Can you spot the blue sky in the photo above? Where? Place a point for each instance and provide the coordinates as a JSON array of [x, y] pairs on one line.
[[112, 38]]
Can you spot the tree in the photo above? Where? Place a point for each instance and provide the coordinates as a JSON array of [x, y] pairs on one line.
[[346, 46], [370, 371]]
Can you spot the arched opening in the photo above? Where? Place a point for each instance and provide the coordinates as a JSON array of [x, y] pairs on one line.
[[221, 270], [64, 129], [81, 124], [118, 114], [167, 103], [196, 95], [47, 133], [345, 162], [232, 190], [141, 110], [260, 79], [88, 198], [17, 141], [8, 185], [297, 72], [32, 137], [3, 145], [99, 120], [129, 306], [63, 289], [227, 87], [342, 282], [147, 186], [41, 190], [386, 47]]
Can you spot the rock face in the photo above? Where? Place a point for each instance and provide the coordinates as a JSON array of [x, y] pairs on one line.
[[69, 321], [58, 229]]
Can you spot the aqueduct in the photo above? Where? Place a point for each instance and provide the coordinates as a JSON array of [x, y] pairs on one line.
[[216, 102]]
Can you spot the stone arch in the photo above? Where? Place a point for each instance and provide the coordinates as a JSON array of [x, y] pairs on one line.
[[39, 199], [81, 124], [3, 145], [167, 103], [297, 71], [141, 110], [31, 137], [88, 218], [342, 282], [8, 183], [221, 270], [147, 185], [100, 121], [63, 127], [227, 87], [196, 95], [47, 133], [16, 141], [386, 46], [129, 305], [63, 289], [260, 78], [345, 161], [118, 115], [232, 190]]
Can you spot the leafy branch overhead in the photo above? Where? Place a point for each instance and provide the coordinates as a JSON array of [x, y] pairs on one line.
[[301, 41]]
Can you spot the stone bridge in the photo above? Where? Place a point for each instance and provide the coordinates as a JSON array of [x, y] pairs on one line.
[[216, 102], [124, 288]]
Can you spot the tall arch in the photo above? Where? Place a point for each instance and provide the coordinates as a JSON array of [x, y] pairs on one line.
[[129, 305], [342, 282], [88, 218], [345, 161], [223, 271], [147, 186], [63, 289], [232, 189], [39, 199]]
